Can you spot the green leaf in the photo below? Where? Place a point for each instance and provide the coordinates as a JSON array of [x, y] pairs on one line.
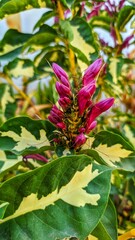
[[7, 102], [66, 29], [22, 134], [53, 54], [111, 149], [39, 41], [83, 41], [3, 207], [129, 132], [11, 44], [107, 227], [125, 14], [8, 161], [20, 67], [101, 22], [64, 198], [13, 6], [115, 68]]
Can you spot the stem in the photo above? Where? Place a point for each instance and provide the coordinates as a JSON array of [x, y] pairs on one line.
[[60, 10], [72, 66], [20, 92], [70, 52]]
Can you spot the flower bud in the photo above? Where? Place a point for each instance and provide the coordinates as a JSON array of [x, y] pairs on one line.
[[56, 115], [92, 71], [84, 96], [64, 102], [79, 140], [61, 74], [91, 127], [62, 90], [35, 156], [57, 111], [61, 125], [97, 109]]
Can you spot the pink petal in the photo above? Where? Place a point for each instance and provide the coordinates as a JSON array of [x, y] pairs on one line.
[[61, 74], [79, 140], [84, 96], [92, 71], [62, 90], [97, 109]]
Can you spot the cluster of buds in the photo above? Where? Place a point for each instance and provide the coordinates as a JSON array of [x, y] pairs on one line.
[[76, 114]]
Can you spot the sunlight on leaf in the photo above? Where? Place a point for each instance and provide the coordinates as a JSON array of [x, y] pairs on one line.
[[21, 70], [27, 139], [113, 69], [6, 98], [73, 193], [112, 154], [8, 48], [129, 134], [3, 207], [91, 237]]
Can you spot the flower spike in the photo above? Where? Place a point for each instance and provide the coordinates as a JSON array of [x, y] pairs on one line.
[[77, 114]]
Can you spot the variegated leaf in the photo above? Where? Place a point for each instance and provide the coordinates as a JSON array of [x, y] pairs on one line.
[[101, 22], [129, 132], [8, 160], [22, 134], [83, 42], [3, 206], [11, 44], [13, 6], [47, 15], [111, 149], [64, 198], [20, 67], [7, 102], [107, 227], [41, 39], [115, 66], [125, 14]]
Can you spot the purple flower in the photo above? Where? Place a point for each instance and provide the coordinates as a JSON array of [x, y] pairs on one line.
[[84, 96], [61, 74], [62, 90], [113, 34], [77, 115], [57, 111], [61, 125], [125, 43], [35, 156], [79, 140], [92, 71], [56, 117], [91, 127], [121, 3], [103, 43], [96, 110], [64, 102], [110, 7], [95, 11]]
